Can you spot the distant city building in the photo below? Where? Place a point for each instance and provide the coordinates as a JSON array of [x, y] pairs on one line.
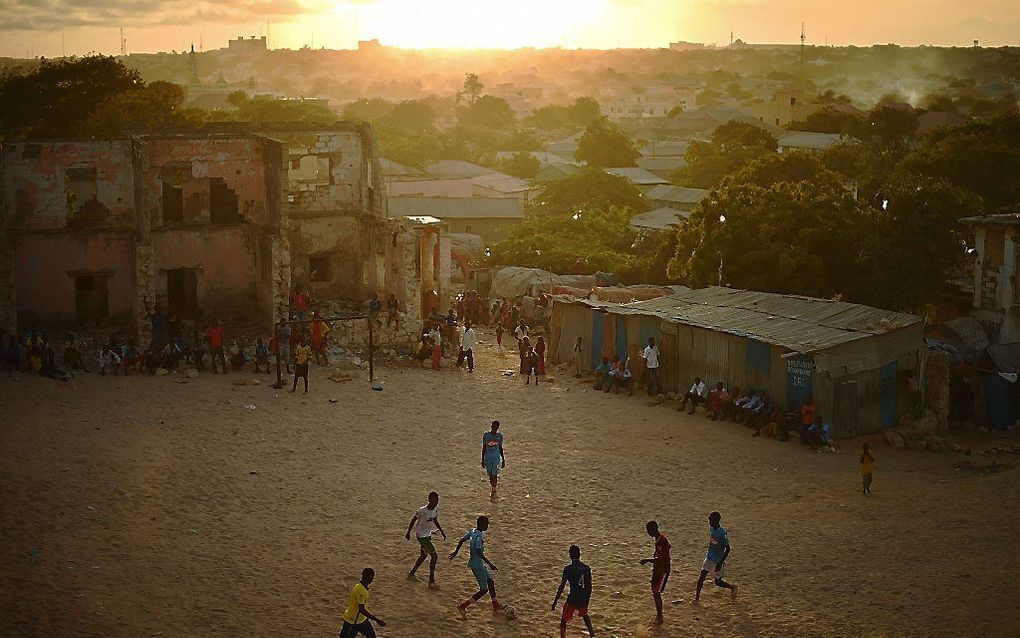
[[251, 46], [686, 46], [785, 107], [658, 102], [369, 45]]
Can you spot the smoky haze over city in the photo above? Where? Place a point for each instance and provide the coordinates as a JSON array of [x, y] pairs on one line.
[[443, 318]]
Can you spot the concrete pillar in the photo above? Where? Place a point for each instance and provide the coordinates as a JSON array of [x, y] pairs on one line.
[[445, 257]]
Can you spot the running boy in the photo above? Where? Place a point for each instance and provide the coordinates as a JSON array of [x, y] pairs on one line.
[[492, 456], [718, 550], [478, 562], [427, 520], [660, 566], [356, 618], [579, 576]]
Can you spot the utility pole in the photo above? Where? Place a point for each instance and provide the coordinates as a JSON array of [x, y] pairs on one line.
[[123, 42], [63, 51]]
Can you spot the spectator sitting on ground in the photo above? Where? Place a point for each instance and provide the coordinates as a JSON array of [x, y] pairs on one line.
[[697, 394], [717, 400], [620, 376], [238, 357], [759, 416], [791, 420], [767, 417], [819, 434], [73, 360], [132, 357], [729, 411], [151, 359], [108, 360], [602, 371], [171, 355], [747, 405], [261, 355], [49, 366]]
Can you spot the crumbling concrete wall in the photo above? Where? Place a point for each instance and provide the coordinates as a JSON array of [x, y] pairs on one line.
[[68, 184]]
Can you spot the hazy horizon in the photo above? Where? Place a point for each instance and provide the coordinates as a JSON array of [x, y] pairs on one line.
[[56, 27]]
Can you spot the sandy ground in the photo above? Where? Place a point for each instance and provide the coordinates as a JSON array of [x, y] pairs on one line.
[[149, 507]]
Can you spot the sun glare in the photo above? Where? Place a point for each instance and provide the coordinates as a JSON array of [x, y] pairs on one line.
[[469, 24]]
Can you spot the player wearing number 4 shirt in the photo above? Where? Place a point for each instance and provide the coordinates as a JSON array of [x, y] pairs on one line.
[[578, 576], [718, 550]]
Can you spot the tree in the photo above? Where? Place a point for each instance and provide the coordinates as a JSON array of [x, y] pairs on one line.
[[59, 97], [791, 237], [156, 106], [576, 116], [584, 216], [367, 109], [488, 111], [409, 115], [829, 120], [606, 145], [523, 165], [265, 108], [472, 89], [733, 145]]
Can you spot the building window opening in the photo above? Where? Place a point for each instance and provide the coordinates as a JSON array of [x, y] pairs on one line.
[[319, 268], [91, 297]]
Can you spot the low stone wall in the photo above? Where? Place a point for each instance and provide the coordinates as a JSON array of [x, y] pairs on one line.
[[353, 335]]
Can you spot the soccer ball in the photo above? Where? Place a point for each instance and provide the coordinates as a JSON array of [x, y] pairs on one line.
[[510, 612]]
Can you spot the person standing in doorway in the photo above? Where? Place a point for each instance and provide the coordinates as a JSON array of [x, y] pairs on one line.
[[467, 345], [660, 566], [493, 457], [302, 355], [651, 357]]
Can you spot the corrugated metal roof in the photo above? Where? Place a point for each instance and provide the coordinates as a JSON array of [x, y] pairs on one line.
[[802, 324], [677, 194], [457, 207], [659, 219], [501, 183], [809, 140], [637, 175]]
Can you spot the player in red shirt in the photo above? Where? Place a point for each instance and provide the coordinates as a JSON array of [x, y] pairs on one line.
[[214, 334], [660, 567]]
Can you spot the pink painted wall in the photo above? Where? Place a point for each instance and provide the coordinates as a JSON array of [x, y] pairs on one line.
[[42, 263], [34, 180], [239, 161], [226, 257]]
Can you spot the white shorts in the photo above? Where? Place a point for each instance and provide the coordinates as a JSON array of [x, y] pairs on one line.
[[709, 566]]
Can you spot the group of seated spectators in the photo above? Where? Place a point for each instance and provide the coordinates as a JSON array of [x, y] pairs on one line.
[[759, 412], [613, 375]]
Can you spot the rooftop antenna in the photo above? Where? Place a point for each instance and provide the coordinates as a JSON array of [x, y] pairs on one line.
[[123, 42], [731, 38], [200, 49]]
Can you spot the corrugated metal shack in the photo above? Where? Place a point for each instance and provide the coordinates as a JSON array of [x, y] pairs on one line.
[[854, 359]]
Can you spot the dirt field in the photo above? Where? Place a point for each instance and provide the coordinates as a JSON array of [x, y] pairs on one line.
[[147, 507]]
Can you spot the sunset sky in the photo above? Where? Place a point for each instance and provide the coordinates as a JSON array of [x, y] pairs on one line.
[[45, 26]]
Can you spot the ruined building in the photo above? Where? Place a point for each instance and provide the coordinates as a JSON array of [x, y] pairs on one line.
[[222, 224]]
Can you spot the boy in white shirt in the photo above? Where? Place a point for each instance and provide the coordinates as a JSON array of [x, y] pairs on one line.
[[427, 521]]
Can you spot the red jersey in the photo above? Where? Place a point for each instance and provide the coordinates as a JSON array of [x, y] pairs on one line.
[[300, 301], [661, 553], [215, 336]]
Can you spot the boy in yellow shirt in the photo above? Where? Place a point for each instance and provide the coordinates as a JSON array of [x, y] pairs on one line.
[[867, 467], [357, 618]]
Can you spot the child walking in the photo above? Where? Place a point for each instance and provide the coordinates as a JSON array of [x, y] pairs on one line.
[[867, 467]]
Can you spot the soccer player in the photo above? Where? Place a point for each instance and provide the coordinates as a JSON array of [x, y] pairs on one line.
[[478, 562], [427, 519], [579, 576], [492, 456], [356, 618], [718, 550], [660, 566]]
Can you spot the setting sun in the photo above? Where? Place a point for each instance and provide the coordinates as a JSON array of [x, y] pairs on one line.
[[459, 24]]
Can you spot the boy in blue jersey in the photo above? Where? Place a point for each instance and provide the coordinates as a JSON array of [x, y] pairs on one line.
[[492, 456], [718, 550], [479, 565], [578, 575]]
